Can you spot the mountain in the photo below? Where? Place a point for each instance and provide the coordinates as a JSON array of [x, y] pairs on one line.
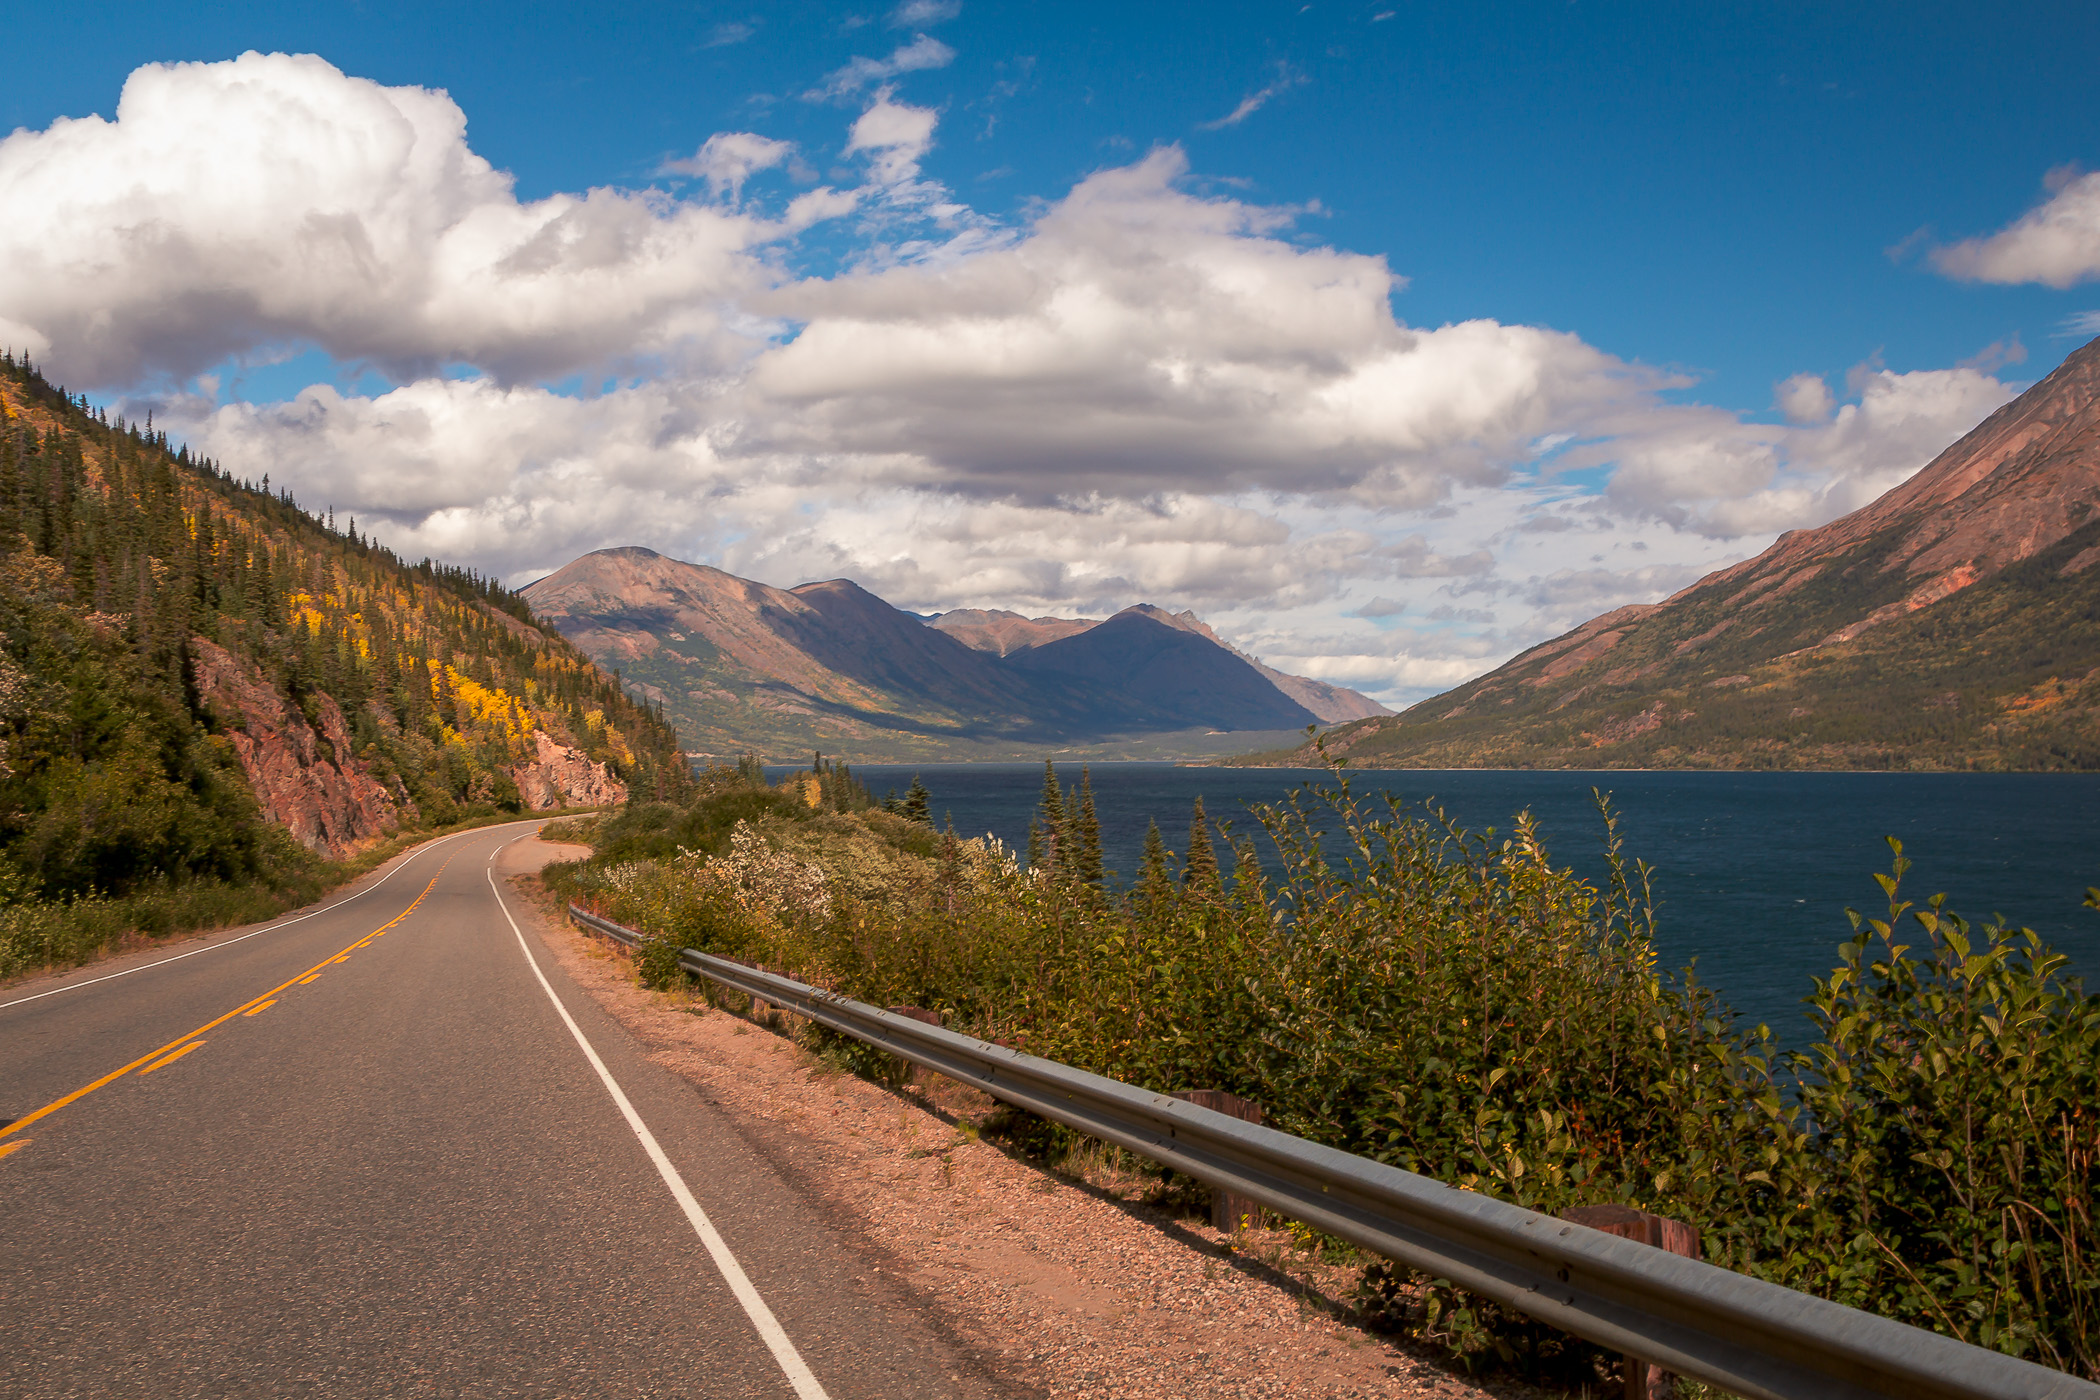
[[1005, 633], [198, 679], [741, 666], [1952, 623], [1177, 675], [1002, 633]]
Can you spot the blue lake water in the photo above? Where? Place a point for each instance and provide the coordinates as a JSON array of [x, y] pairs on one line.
[[1752, 870]]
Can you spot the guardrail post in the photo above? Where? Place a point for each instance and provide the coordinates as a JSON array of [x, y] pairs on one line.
[[1644, 1379], [1228, 1210], [919, 1073]]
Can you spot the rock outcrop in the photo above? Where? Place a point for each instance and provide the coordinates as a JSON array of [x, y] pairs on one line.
[[561, 776], [307, 781]]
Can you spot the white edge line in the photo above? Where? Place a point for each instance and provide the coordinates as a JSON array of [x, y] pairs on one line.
[[769, 1328], [407, 856]]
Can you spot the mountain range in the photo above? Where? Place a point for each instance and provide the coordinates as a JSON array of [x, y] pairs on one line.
[[742, 666], [1952, 623]]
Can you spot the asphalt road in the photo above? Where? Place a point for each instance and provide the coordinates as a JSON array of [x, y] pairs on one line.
[[388, 1148]]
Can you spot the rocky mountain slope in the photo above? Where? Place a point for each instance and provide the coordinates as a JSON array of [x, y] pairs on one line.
[[1953, 623], [193, 668], [740, 666]]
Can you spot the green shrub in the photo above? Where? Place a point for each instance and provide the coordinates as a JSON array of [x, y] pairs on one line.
[[657, 964]]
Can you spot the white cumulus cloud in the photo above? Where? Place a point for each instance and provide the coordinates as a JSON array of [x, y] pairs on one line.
[[1806, 398], [728, 158], [271, 201], [2057, 243], [896, 134], [1140, 338]]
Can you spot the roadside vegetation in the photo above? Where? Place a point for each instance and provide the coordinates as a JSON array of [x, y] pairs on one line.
[[42, 934], [1451, 1002]]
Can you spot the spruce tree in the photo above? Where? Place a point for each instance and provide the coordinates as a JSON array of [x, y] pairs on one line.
[[917, 803], [1156, 874], [1053, 818], [1199, 874], [1086, 852]]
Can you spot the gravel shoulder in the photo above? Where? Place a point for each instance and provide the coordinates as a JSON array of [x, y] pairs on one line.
[[1075, 1281]]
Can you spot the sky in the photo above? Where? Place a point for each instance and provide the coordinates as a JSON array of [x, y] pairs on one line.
[[1390, 338]]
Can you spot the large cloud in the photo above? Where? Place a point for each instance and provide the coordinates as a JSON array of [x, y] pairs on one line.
[[1137, 392], [1141, 338], [239, 208], [2057, 243]]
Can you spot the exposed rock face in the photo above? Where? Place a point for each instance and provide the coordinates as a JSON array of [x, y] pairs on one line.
[[307, 783], [560, 776]]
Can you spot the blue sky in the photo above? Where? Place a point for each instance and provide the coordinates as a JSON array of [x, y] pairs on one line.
[[1714, 199]]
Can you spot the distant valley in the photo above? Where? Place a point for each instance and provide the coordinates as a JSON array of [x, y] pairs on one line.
[[740, 666], [1953, 623]]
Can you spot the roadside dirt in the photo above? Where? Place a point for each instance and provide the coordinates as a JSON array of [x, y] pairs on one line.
[[1082, 1287]]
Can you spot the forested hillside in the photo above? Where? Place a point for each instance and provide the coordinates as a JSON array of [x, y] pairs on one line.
[[202, 683]]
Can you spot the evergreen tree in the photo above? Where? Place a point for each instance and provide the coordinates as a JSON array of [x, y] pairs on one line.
[[1086, 852], [1156, 873], [1053, 818], [1199, 873], [916, 803]]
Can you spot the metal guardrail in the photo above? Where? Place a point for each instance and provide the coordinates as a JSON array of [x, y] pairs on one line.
[[1753, 1338]]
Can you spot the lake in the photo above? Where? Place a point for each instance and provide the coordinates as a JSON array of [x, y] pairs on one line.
[[1752, 870]]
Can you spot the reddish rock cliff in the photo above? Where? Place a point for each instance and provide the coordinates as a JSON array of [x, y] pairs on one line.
[[561, 776], [306, 782]]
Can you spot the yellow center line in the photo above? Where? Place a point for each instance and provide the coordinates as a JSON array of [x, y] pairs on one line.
[[264, 1007], [171, 1059], [253, 1004], [7, 1147]]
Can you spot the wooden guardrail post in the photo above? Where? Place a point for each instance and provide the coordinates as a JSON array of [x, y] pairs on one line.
[[1644, 1379], [1229, 1211]]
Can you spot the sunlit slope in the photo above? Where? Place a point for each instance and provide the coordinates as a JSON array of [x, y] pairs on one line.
[[1953, 623]]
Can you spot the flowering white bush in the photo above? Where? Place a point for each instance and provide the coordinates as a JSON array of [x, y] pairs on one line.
[[772, 880]]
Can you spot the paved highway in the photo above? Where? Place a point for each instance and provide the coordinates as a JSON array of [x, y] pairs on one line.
[[385, 1147]]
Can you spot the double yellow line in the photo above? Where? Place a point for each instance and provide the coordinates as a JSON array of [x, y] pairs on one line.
[[183, 1044]]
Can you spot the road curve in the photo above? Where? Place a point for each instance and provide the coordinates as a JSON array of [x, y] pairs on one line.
[[386, 1147]]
